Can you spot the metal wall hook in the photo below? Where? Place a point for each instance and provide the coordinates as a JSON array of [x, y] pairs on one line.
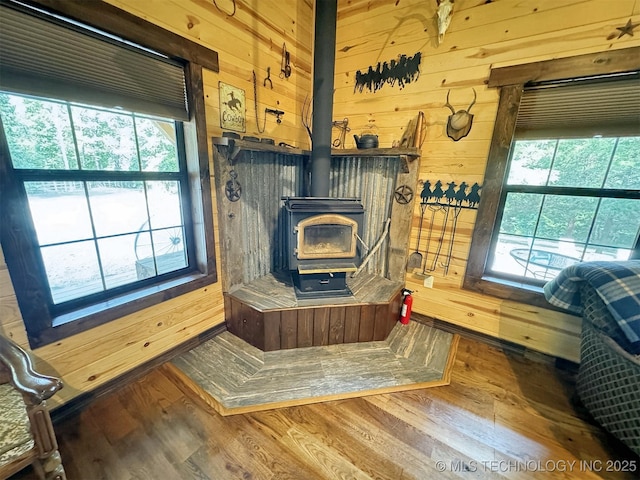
[[268, 79], [277, 113]]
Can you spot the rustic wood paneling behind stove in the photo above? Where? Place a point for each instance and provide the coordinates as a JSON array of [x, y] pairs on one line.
[[252, 229]]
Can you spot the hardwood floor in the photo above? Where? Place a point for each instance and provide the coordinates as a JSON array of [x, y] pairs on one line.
[[235, 377], [502, 416]]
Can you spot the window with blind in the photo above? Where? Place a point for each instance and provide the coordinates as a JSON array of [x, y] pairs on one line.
[[97, 203], [570, 185]]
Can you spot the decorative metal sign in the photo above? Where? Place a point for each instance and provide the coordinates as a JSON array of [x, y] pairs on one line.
[[232, 189], [459, 197], [232, 108], [403, 70], [403, 194]]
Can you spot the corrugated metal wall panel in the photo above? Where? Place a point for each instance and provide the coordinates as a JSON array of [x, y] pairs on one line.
[[267, 177], [372, 179]]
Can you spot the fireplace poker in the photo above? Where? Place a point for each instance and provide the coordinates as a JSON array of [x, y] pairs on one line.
[[456, 213], [434, 209], [434, 264]]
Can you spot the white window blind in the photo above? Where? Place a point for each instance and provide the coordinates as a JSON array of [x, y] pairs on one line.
[[43, 55], [600, 106]]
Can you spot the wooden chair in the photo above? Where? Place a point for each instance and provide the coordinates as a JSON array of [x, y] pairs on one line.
[[26, 431]]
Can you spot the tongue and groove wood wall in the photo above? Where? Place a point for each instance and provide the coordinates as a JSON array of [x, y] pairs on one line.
[[481, 35], [252, 39]]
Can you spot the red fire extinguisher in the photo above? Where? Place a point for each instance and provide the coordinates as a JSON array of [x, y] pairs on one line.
[[407, 302]]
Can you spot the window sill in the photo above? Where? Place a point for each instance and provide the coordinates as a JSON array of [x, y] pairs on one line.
[[92, 316], [509, 290]]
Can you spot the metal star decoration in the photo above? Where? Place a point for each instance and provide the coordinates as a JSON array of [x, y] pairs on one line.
[[627, 29]]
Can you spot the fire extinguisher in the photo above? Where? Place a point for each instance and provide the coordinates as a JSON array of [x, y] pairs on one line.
[[407, 302]]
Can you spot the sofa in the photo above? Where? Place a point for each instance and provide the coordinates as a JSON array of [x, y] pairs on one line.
[[26, 431], [608, 382], [609, 376]]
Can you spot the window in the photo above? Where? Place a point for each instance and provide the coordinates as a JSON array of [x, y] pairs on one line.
[[104, 193], [106, 201], [565, 201], [562, 183]]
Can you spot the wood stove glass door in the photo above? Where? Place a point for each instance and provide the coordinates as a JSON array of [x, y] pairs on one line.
[[326, 236]]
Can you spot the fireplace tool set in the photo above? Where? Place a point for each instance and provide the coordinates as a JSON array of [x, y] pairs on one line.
[[447, 204]]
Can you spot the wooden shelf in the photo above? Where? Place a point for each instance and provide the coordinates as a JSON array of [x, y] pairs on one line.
[[375, 152], [236, 145]]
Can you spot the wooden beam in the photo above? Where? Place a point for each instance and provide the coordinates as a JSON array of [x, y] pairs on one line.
[[617, 61], [197, 162], [113, 20], [401, 219], [496, 167]]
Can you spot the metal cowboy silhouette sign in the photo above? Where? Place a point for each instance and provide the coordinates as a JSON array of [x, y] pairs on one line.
[[232, 108]]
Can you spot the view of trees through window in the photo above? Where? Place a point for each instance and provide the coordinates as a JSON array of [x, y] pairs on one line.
[[104, 191], [561, 205]]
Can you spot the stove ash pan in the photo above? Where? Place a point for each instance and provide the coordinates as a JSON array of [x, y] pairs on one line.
[[322, 241]]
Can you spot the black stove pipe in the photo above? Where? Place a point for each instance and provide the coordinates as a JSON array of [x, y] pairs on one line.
[[324, 57]]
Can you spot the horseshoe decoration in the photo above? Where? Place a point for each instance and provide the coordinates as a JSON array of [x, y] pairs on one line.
[[403, 194], [233, 190]]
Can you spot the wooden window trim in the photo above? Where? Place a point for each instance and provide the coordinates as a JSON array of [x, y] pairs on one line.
[[591, 64], [511, 81], [30, 286]]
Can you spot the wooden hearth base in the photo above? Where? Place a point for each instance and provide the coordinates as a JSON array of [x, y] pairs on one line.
[[266, 314]]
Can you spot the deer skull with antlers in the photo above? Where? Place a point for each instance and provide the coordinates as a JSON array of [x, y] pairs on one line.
[[459, 122], [445, 12]]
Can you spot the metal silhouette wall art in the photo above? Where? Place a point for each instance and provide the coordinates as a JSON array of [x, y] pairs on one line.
[[445, 203], [404, 70], [459, 122]]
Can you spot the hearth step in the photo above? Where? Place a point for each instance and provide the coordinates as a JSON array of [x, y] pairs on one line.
[[249, 357], [419, 356]]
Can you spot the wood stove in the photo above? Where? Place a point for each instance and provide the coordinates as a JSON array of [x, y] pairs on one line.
[[322, 244]]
